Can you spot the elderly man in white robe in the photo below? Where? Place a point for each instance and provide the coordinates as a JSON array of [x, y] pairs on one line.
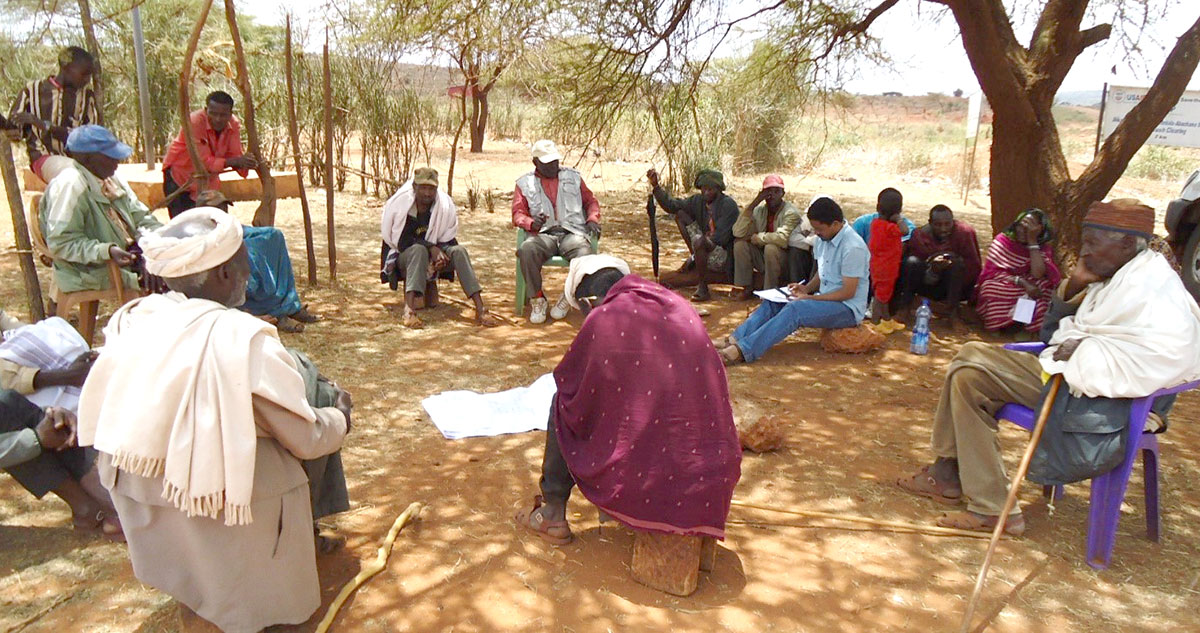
[[1121, 326], [201, 419]]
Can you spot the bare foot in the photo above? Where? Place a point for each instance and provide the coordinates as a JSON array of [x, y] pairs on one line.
[[742, 294], [304, 316], [411, 321], [486, 319]]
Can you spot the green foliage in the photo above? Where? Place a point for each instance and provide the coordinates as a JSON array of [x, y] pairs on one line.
[[1167, 164]]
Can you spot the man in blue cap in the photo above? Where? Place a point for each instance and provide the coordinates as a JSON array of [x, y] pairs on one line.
[[89, 215]]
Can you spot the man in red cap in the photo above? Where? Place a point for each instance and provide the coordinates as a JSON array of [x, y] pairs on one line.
[[761, 238], [1121, 326]]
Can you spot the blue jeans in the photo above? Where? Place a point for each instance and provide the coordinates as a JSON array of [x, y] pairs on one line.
[[772, 322]]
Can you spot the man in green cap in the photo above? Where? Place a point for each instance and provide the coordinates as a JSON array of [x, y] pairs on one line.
[[420, 229], [705, 222]]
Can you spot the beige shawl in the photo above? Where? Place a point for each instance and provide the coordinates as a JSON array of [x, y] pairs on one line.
[[170, 396]]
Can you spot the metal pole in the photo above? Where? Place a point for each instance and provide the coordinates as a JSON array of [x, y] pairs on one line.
[[1100, 121], [139, 54]]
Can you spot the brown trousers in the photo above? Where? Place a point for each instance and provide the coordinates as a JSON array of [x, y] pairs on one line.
[[980, 380]]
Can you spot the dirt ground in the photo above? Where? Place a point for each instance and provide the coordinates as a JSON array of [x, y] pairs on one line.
[[856, 424]]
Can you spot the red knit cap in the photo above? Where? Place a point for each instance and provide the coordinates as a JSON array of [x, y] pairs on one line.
[[1125, 215]]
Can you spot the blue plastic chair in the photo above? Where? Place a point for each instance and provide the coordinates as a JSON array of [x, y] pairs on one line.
[[1108, 490], [557, 260]]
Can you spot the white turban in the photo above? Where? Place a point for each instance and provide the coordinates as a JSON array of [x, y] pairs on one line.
[[583, 266], [173, 251]]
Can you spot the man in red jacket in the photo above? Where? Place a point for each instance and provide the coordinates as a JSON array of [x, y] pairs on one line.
[[218, 137]]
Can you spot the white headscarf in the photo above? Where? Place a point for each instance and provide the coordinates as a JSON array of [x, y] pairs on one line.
[[169, 253], [583, 266], [443, 218]]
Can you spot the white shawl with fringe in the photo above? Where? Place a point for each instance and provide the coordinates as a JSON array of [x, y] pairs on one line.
[[1140, 331], [171, 396], [443, 218]]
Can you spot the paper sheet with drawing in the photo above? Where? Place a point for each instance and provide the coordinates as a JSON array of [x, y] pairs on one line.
[[459, 414]]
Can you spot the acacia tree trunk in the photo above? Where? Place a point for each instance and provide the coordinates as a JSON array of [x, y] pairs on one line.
[[1028, 167], [479, 117]]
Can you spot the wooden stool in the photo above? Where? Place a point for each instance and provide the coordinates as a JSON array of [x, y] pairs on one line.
[[670, 562]]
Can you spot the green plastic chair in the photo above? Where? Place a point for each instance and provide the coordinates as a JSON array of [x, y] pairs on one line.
[[557, 260]]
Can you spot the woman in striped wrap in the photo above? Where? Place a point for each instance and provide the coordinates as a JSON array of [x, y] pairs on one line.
[[1020, 263]]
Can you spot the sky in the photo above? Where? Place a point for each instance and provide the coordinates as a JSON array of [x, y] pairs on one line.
[[927, 54]]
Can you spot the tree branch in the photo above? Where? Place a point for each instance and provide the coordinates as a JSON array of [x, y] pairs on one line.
[[1114, 156], [1094, 35]]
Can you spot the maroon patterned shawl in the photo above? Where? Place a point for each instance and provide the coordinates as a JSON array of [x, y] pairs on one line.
[[643, 414]]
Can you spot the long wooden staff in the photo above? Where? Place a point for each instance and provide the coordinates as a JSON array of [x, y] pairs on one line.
[[265, 214], [1011, 501]]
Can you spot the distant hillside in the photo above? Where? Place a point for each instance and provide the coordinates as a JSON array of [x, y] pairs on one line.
[[1085, 98]]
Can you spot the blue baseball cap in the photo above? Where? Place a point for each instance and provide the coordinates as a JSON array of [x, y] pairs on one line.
[[97, 139]]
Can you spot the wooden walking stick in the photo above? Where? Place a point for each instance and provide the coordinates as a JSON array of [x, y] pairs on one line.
[[1011, 501], [411, 513], [294, 133]]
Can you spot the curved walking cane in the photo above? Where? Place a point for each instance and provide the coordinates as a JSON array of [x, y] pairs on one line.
[[1011, 501], [653, 234]]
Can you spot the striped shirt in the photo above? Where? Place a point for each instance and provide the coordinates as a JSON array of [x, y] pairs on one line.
[[48, 101]]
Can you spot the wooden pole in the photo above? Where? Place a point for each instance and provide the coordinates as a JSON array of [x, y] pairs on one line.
[[199, 173], [970, 169], [33, 288], [89, 32], [294, 133], [265, 214], [1011, 501], [329, 226], [893, 525]]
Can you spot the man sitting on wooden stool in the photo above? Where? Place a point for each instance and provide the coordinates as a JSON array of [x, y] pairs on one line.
[[647, 436], [420, 235]]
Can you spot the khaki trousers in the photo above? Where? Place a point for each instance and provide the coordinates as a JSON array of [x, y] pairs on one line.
[[747, 258], [980, 380]]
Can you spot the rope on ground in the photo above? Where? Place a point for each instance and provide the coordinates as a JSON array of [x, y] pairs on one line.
[[371, 568], [935, 530]]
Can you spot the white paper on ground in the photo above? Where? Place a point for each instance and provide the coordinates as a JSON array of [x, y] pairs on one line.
[[1023, 311], [459, 414], [774, 295]]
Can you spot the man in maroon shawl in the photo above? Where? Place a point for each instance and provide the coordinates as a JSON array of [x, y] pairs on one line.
[[941, 262], [642, 421]]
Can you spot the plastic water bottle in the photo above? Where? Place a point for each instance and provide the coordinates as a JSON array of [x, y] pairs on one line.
[[920, 331]]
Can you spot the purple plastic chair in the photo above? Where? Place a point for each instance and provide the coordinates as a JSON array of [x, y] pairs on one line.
[[1108, 490]]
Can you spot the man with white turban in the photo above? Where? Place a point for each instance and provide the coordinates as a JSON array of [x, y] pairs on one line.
[[200, 447]]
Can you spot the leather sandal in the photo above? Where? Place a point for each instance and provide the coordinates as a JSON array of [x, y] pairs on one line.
[[553, 532], [924, 484]]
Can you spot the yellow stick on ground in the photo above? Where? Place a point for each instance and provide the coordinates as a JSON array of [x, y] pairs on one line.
[[893, 525], [371, 568]]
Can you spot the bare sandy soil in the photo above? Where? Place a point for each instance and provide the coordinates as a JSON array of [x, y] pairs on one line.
[[856, 423]]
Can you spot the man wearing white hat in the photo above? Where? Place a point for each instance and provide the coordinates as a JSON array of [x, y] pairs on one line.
[[560, 214], [200, 447]]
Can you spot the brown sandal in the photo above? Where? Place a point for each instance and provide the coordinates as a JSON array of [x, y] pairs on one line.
[[412, 322], [924, 484], [1015, 526], [553, 532]]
